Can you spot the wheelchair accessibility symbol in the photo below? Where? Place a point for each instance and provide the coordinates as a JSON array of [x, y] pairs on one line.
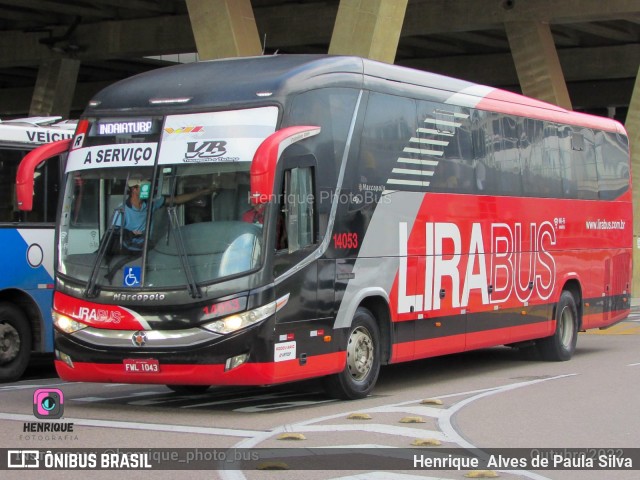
[[132, 277]]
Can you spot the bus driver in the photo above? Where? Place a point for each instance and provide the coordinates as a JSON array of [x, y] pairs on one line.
[[135, 209]]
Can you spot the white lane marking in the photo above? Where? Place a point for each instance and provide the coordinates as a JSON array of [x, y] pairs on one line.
[[443, 415], [8, 388], [633, 364], [446, 424], [416, 410], [158, 427]]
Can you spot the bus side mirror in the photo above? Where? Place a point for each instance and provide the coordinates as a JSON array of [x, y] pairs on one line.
[[263, 166], [27, 168]]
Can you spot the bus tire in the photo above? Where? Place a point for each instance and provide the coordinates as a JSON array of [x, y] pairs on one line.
[[188, 389], [15, 342], [560, 346], [363, 360]]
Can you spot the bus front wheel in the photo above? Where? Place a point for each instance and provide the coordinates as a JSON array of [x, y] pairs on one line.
[[363, 360], [15, 342], [560, 346]]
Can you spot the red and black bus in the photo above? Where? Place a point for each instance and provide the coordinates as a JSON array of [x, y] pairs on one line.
[[318, 216]]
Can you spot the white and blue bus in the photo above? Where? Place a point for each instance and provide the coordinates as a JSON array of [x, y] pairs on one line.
[[26, 283]]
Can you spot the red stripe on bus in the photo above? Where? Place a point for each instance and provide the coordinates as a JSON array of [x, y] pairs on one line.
[[513, 104], [97, 315], [433, 347], [180, 374]]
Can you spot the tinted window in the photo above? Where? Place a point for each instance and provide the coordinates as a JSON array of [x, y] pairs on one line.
[[612, 164], [299, 200], [507, 156], [45, 189], [583, 164], [540, 156], [390, 150], [445, 132], [487, 144], [332, 110]]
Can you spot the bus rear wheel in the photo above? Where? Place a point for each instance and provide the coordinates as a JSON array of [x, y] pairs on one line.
[[15, 342], [363, 360], [560, 346]]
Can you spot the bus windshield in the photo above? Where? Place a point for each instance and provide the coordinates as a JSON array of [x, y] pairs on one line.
[[180, 218]]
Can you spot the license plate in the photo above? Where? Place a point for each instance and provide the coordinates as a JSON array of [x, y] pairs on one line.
[[147, 365]]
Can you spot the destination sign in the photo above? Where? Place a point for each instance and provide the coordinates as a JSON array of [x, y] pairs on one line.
[[140, 126]]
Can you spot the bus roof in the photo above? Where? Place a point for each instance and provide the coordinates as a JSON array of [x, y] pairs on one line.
[[246, 81]]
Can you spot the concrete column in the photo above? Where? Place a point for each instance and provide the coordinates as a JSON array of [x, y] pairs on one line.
[[368, 28], [536, 60], [55, 86], [632, 124], [224, 28]]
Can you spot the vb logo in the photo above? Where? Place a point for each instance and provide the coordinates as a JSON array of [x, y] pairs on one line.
[[208, 149]]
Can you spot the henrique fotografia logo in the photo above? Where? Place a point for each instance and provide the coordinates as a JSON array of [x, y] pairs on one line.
[[48, 403]]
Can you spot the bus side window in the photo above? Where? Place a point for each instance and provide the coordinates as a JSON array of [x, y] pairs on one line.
[[484, 147], [612, 165], [507, 156], [45, 189], [9, 160], [583, 159], [454, 147], [389, 148], [541, 175], [298, 228]]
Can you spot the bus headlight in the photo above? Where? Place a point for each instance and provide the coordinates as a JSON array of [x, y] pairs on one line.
[[235, 322], [66, 324]]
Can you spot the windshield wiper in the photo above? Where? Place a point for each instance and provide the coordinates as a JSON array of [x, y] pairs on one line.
[[174, 227], [192, 286], [92, 286]]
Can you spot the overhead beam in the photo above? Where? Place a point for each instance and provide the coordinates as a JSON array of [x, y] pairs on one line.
[[224, 28], [296, 24], [53, 94], [57, 7], [368, 29], [603, 31], [16, 101], [438, 47], [600, 94], [427, 17], [537, 62], [16, 15], [140, 5], [103, 40], [579, 64], [435, 16]]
